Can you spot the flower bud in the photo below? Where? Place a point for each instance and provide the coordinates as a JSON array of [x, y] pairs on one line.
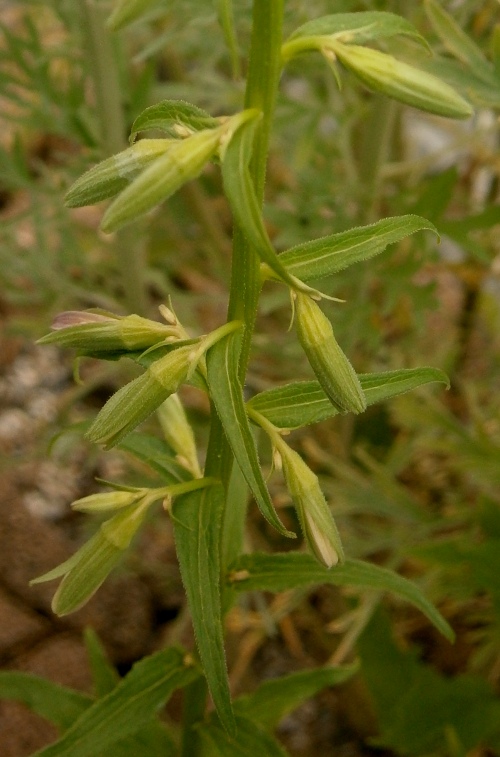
[[134, 402], [112, 175], [384, 73], [179, 434], [314, 514], [98, 333], [332, 368], [104, 501]]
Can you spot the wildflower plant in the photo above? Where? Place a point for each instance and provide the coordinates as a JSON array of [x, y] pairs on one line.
[[197, 497]]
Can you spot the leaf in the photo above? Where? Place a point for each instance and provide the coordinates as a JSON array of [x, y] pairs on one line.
[[328, 255], [239, 189], [279, 572], [127, 708], [249, 741], [105, 676], [304, 402], [173, 117], [197, 521], [58, 704], [157, 454], [275, 698], [226, 20], [183, 161], [128, 11], [357, 28], [227, 394], [459, 43]]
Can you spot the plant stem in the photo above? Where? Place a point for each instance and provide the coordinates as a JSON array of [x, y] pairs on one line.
[[128, 245]]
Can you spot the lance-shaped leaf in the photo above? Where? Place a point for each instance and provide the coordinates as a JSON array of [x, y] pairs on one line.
[[184, 161], [197, 521], [127, 708], [304, 402], [176, 118], [279, 572], [239, 189], [227, 394], [57, 704], [226, 20], [275, 698], [328, 255], [459, 43], [355, 28], [126, 12], [249, 741], [109, 177]]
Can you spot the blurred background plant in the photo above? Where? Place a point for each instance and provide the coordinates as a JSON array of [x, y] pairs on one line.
[[415, 481]]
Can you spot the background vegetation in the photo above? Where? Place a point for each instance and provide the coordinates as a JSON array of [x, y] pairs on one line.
[[415, 481]]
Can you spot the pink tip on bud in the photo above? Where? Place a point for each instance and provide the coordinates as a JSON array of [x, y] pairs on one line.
[[77, 318]]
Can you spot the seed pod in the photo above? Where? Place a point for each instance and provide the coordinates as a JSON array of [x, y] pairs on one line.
[[332, 368], [112, 175], [384, 73], [96, 333], [134, 402], [314, 514]]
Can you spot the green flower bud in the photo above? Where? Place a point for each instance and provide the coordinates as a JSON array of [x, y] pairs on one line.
[[104, 501], [112, 175], [134, 402], [332, 368], [384, 73], [314, 514], [98, 333], [179, 434]]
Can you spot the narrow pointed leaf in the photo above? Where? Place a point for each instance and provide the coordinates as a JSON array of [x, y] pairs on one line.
[[250, 741], [183, 161], [157, 455], [328, 255], [128, 11], [275, 698], [239, 189], [104, 674], [459, 43], [173, 117], [57, 704], [197, 520], [279, 572], [304, 402], [226, 20], [126, 709], [357, 28], [227, 394]]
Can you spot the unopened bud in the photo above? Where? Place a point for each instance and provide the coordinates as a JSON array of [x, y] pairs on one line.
[[331, 366], [97, 503], [179, 434]]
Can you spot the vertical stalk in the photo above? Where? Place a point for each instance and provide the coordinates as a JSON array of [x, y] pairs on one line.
[[128, 245]]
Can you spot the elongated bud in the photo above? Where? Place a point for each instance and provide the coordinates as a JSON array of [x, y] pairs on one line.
[[179, 434], [410, 85], [109, 177], [96, 333], [134, 402], [105, 501], [314, 514], [332, 368]]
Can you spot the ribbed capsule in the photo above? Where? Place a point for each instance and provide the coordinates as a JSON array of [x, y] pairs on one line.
[[314, 514], [134, 402], [331, 366]]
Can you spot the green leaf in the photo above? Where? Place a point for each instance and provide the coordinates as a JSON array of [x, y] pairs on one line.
[[127, 708], [226, 20], [357, 28], [157, 454], [240, 192], [249, 741], [274, 699], [173, 117], [184, 160], [304, 402], [328, 255], [197, 520], [105, 676], [128, 11], [58, 704], [279, 572], [459, 43], [227, 394]]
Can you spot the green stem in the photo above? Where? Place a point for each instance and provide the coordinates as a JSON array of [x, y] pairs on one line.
[[102, 56]]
